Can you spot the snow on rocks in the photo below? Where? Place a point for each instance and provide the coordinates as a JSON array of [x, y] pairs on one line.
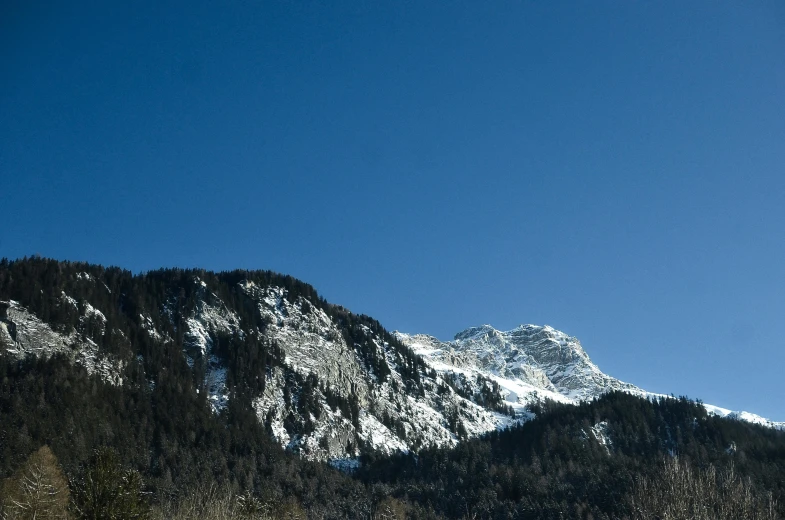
[[522, 384], [531, 363], [24, 334], [90, 319], [333, 435], [600, 433], [392, 418], [149, 327], [543, 357], [210, 317], [309, 339], [378, 437], [744, 416]]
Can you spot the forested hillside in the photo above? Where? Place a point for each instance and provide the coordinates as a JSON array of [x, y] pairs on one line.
[[158, 420], [107, 385], [587, 461], [329, 384]]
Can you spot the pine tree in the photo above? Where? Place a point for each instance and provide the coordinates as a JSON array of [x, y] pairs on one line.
[[106, 491]]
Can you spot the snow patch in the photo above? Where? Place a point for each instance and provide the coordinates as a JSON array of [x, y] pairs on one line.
[[211, 317], [600, 433]]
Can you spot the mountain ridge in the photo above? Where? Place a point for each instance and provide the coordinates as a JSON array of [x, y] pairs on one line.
[[488, 339], [326, 383]]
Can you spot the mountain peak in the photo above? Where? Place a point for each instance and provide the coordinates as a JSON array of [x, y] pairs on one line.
[[534, 340], [474, 332], [539, 356]]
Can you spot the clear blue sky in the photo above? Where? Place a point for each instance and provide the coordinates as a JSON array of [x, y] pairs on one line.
[[613, 169]]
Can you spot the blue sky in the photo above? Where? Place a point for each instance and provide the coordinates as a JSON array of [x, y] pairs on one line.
[[613, 169]]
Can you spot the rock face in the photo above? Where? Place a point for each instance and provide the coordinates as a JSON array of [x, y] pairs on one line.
[[542, 357], [393, 414], [529, 363], [311, 341], [23, 334], [341, 385]]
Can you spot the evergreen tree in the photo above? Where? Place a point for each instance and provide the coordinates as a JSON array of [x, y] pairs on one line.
[[108, 492]]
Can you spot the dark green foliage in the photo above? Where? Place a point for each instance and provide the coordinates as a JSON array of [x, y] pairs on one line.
[[168, 435], [488, 394], [553, 467], [107, 491]]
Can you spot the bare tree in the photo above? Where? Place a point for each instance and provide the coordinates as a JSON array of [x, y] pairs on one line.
[[390, 509], [220, 503], [679, 492], [38, 491]]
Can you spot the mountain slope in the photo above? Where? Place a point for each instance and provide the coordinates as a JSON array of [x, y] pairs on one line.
[[531, 363], [324, 382], [586, 461]]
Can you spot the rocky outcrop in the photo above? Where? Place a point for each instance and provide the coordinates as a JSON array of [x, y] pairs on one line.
[[392, 415], [25, 334], [541, 356]]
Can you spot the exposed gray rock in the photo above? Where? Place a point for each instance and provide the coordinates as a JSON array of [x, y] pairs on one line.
[[25, 334]]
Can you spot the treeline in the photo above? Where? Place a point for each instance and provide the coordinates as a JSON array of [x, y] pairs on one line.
[[168, 297], [159, 422], [551, 467], [555, 467]]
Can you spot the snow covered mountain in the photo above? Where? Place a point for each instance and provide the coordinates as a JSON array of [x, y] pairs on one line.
[[533, 362], [341, 385], [529, 363]]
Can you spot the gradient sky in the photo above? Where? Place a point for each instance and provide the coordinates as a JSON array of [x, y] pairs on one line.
[[614, 169]]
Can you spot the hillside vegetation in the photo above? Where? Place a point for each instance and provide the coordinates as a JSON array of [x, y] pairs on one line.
[[149, 442]]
